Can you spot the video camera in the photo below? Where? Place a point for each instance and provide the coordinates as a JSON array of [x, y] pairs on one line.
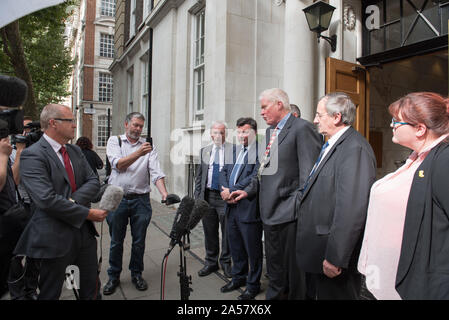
[[31, 137], [13, 92]]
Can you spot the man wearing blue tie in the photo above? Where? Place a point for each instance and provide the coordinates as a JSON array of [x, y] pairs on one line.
[[207, 187], [244, 227]]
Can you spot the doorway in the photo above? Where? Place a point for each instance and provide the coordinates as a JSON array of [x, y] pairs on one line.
[[388, 83]]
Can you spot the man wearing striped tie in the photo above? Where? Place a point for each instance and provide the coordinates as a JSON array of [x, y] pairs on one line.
[[244, 228], [292, 148]]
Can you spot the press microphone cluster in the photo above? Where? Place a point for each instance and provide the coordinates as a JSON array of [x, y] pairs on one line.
[[181, 220], [111, 198], [190, 213]]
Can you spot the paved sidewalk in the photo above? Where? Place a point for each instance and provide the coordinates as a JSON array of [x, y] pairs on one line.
[[157, 242]]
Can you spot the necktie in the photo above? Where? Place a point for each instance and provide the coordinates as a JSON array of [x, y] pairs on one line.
[[315, 166], [216, 171], [273, 137], [238, 165], [267, 152], [68, 168]]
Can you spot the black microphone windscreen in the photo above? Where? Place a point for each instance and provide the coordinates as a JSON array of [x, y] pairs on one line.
[[172, 199], [13, 91], [179, 227], [200, 208]]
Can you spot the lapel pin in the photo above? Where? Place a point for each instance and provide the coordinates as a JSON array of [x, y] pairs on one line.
[[421, 173]]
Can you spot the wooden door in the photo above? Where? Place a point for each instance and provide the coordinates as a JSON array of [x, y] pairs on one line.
[[352, 79]]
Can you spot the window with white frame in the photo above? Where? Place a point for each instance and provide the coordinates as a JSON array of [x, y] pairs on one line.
[[106, 45], [107, 8], [144, 89], [132, 20], [102, 130], [105, 87], [130, 90], [198, 66]]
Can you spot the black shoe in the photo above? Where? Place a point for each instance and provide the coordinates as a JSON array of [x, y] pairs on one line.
[[227, 270], [231, 286], [207, 270], [248, 295], [110, 287], [140, 283]]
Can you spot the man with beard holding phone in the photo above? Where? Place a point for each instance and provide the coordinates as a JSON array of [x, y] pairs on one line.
[[134, 164]]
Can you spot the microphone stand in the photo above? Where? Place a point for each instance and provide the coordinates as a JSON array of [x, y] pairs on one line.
[[184, 280]]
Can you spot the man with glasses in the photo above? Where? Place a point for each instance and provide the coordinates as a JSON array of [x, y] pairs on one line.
[[332, 211], [61, 185]]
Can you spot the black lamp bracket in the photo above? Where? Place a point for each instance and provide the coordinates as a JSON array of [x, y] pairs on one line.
[[332, 41]]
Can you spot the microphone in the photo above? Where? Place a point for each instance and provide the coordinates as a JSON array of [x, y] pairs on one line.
[[200, 208], [171, 199], [111, 198], [13, 91], [180, 226]]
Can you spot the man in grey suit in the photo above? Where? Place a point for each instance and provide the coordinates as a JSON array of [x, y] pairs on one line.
[[332, 211], [292, 147], [207, 187], [61, 185]]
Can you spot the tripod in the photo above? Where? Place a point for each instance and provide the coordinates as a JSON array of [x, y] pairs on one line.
[[184, 280]]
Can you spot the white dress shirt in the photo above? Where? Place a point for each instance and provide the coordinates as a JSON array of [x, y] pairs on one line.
[[137, 177], [211, 163], [332, 141], [57, 146]]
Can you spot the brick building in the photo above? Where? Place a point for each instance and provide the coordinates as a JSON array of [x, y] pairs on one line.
[[92, 37]]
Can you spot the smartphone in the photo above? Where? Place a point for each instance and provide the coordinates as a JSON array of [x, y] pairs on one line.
[[150, 140]]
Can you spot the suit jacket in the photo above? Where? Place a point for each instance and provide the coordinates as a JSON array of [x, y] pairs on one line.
[[423, 270], [56, 219], [247, 210], [203, 167], [292, 156], [332, 211]]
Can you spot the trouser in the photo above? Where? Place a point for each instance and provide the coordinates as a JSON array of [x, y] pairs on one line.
[[23, 279], [287, 281], [212, 221], [138, 212], [82, 256], [245, 241]]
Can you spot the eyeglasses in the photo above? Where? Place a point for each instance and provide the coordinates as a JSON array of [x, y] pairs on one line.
[[66, 120], [394, 123], [320, 115]]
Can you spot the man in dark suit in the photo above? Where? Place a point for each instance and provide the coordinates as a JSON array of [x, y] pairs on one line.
[[292, 147], [61, 185], [332, 211], [207, 187], [244, 227]]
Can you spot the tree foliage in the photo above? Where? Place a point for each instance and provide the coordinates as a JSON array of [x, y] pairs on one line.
[[46, 58]]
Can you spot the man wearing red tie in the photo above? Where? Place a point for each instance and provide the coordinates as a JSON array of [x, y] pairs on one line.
[[61, 185]]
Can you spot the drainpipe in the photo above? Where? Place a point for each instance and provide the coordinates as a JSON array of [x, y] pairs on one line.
[[150, 74]]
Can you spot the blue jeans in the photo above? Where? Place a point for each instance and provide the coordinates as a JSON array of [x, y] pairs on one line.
[[139, 212]]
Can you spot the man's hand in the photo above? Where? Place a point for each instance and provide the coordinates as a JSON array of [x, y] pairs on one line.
[[20, 146], [97, 215], [5, 147], [238, 195], [330, 270], [144, 149], [225, 194]]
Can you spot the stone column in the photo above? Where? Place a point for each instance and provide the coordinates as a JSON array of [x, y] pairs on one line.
[[300, 58]]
